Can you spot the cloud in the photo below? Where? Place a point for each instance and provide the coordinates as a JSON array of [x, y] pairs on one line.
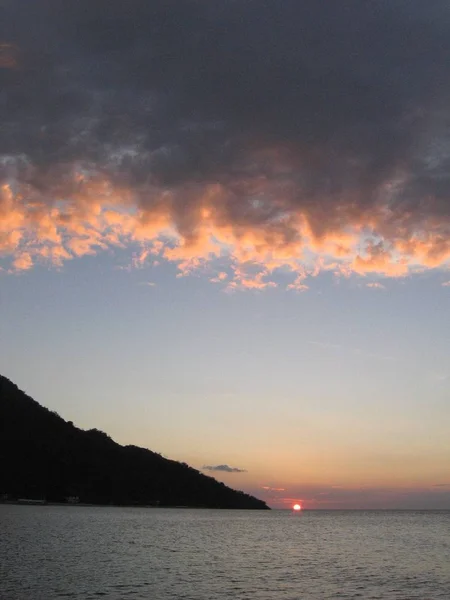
[[224, 469], [8, 56], [219, 278], [446, 284], [22, 261], [376, 285], [280, 138]]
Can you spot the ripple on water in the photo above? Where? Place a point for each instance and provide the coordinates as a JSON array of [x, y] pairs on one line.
[[88, 553]]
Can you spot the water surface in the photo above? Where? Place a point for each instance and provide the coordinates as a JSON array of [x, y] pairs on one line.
[[49, 552]]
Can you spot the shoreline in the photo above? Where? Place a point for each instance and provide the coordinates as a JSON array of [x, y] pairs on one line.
[[87, 505]]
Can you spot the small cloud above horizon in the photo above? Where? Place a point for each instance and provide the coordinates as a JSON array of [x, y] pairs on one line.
[[223, 469]]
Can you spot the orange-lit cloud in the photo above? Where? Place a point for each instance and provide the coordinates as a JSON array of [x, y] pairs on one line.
[[96, 216], [319, 160], [219, 278], [22, 262]]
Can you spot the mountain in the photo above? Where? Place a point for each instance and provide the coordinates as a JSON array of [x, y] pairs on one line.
[[43, 456]]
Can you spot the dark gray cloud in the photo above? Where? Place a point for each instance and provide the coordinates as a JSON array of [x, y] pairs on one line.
[[340, 108], [223, 469]]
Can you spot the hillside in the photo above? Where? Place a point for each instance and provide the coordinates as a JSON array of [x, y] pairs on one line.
[[43, 456]]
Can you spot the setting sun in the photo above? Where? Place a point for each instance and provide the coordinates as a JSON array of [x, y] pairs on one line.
[[296, 507]]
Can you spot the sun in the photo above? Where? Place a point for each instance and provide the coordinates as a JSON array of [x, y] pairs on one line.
[[296, 507]]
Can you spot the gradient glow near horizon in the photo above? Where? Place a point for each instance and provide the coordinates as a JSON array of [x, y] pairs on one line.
[[225, 236]]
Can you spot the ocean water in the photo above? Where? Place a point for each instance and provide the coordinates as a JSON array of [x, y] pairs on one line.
[[49, 552]]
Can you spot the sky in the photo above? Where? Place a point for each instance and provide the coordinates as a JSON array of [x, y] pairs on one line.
[[225, 236]]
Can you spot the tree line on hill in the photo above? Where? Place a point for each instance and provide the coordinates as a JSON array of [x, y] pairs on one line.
[[42, 456]]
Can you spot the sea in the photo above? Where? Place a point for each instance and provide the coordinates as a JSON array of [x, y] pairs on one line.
[[49, 552]]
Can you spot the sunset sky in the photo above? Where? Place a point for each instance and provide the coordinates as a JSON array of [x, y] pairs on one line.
[[225, 236]]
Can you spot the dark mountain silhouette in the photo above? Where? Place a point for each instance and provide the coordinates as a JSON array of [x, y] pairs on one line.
[[43, 456]]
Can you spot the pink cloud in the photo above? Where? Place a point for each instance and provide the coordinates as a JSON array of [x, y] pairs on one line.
[[96, 216], [22, 261]]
